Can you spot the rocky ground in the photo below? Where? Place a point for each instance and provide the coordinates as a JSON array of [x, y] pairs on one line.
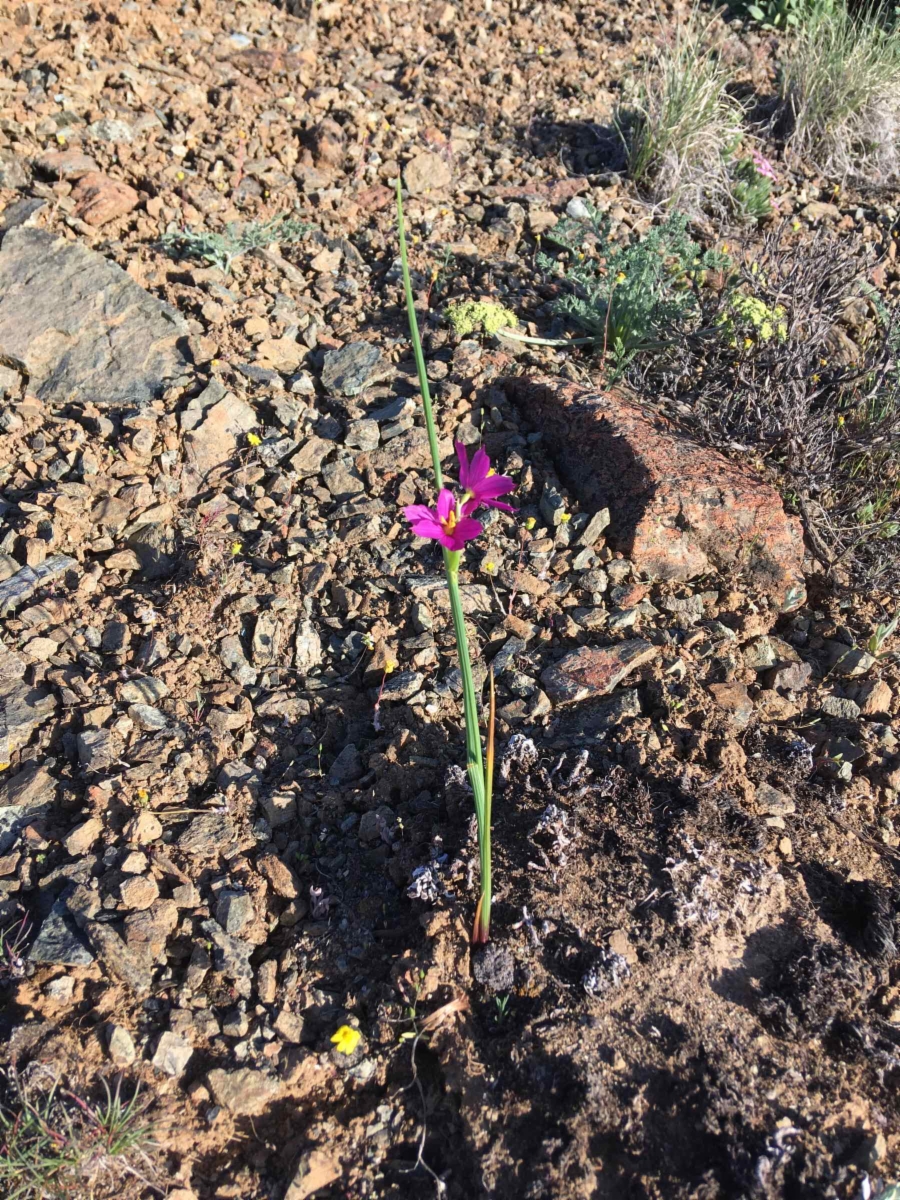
[[233, 818]]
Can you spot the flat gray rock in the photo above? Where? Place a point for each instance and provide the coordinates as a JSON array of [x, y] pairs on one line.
[[231, 956], [81, 328], [23, 797], [348, 370], [246, 1092], [22, 707], [21, 586]]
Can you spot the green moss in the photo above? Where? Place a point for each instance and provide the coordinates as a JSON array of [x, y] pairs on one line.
[[470, 316]]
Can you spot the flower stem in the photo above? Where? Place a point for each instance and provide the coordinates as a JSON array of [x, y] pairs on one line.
[[483, 916], [474, 762], [417, 345]]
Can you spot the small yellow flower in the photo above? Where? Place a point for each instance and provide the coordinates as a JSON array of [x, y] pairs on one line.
[[254, 439], [236, 548], [540, 49], [490, 567], [346, 1039], [724, 247], [389, 666], [530, 522], [179, 175], [143, 795], [620, 278], [748, 342], [840, 422], [565, 518], [795, 225]]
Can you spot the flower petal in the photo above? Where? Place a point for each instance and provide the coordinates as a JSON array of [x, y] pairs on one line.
[[463, 465], [419, 512], [466, 529], [446, 502], [494, 485], [499, 504], [478, 468], [428, 527]]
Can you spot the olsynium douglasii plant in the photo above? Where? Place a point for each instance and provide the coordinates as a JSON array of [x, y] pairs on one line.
[[452, 524]]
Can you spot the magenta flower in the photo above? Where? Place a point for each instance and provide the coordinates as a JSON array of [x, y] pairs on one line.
[[446, 523], [480, 484], [763, 166]]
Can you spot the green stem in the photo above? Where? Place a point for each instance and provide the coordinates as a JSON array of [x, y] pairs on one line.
[[474, 763], [417, 345]]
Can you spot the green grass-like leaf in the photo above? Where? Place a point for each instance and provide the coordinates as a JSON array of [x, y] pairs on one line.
[[56, 1146]]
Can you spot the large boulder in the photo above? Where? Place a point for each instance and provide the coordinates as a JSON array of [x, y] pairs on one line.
[[678, 509], [80, 328]]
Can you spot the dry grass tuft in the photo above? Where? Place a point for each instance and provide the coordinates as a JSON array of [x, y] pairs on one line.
[[679, 125], [840, 94]]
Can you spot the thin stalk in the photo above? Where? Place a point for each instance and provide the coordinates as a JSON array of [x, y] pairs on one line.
[[474, 763], [539, 341], [417, 345], [483, 916]]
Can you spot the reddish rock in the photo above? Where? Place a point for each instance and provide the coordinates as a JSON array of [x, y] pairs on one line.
[[791, 677], [678, 509], [280, 877], [100, 199], [594, 671], [427, 172], [631, 594], [875, 698], [66, 164]]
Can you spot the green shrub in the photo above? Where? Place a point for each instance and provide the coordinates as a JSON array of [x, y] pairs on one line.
[[630, 298], [781, 14], [771, 373], [470, 316], [56, 1146], [751, 188]]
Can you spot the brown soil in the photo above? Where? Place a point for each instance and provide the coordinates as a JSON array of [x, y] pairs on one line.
[[692, 990]]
